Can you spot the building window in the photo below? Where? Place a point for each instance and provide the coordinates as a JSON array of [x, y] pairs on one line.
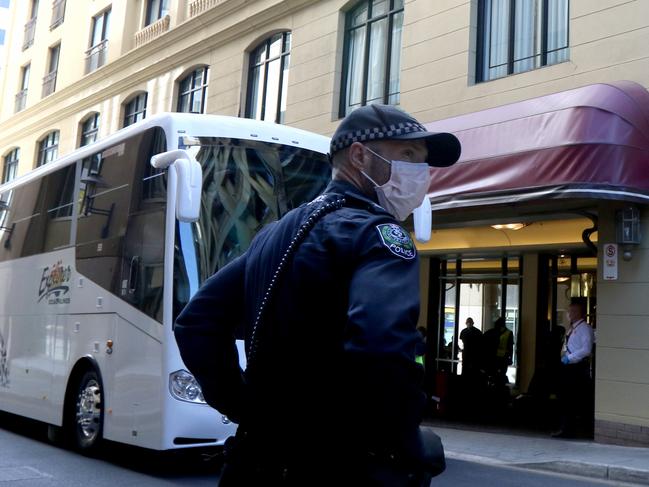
[[21, 96], [268, 79], [372, 54], [10, 167], [49, 81], [89, 130], [155, 10], [135, 110], [96, 54], [30, 26], [58, 13], [48, 148], [520, 35], [192, 91]]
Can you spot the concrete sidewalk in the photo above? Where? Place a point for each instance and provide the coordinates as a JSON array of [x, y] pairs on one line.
[[575, 457]]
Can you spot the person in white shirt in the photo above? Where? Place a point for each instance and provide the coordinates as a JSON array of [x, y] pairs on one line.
[[575, 389]]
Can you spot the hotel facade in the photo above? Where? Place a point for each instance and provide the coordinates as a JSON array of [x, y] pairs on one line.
[[548, 202]]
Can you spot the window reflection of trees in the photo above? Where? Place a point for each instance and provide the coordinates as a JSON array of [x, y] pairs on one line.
[[246, 185]]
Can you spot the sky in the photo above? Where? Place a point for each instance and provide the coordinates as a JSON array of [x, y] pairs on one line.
[[4, 23], [4, 20]]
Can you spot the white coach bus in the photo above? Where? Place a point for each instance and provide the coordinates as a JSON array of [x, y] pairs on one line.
[[99, 252]]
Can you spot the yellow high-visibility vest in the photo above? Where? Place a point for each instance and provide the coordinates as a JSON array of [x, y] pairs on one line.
[[503, 350]]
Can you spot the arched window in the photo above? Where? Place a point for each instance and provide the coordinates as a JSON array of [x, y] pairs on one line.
[[10, 166], [48, 148], [192, 91], [372, 54], [89, 129], [268, 78], [135, 109]]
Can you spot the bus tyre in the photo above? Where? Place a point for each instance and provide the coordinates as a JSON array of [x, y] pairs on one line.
[[87, 419]]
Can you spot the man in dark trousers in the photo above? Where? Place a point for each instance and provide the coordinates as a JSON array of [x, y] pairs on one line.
[[575, 382], [471, 339], [346, 409]]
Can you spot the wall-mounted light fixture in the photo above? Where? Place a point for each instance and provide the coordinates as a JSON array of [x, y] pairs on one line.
[[627, 221]]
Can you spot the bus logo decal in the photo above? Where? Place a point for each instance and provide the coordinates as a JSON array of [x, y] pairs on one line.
[[53, 285], [4, 363]]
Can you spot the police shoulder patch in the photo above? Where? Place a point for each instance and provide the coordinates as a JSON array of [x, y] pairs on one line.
[[397, 240]]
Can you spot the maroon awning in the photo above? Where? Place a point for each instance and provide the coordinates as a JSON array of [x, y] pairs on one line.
[[590, 142]]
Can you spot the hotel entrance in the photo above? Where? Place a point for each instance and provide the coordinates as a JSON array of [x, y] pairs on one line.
[[544, 206], [482, 290], [530, 293]]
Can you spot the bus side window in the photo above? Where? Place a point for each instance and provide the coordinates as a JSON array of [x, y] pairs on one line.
[[59, 197], [143, 263], [103, 201], [120, 227], [23, 220], [6, 229]]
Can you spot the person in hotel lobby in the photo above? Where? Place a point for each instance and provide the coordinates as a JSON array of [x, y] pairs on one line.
[[342, 275], [471, 339], [575, 382]]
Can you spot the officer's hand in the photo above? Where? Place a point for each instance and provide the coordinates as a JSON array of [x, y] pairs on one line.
[[565, 360]]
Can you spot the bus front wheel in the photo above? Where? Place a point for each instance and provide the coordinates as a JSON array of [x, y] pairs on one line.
[[86, 424]]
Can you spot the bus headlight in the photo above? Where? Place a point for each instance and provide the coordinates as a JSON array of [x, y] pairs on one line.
[[184, 387]]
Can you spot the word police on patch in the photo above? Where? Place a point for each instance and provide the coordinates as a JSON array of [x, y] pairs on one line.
[[397, 240]]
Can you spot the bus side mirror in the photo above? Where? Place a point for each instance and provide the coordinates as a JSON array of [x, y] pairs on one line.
[[187, 172]]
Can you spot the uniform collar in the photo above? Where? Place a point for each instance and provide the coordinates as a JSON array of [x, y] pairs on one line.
[[348, 189]]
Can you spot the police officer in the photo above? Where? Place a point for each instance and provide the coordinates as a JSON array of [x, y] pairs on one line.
[[328, 298]]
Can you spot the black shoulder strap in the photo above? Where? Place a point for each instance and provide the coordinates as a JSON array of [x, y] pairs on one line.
[[326, 203]]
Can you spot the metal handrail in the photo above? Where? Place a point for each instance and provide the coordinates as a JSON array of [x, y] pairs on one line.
[[96, 56], [58, 13], [21, 100], [30, 30], [49, 83]]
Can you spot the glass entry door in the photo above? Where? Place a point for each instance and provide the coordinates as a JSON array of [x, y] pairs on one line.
[[481, 290]]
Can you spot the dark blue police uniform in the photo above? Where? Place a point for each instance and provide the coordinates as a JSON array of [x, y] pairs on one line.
[[335, 384]]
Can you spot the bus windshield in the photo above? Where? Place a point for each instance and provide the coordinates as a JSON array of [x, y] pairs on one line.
[[246, 185]]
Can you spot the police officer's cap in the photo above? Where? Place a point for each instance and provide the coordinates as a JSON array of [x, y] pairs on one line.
[[385, 122]]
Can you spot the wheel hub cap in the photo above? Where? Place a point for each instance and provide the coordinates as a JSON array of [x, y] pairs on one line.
[[89, 410]]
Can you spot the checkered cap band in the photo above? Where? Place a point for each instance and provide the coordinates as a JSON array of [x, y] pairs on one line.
[[375, 133]]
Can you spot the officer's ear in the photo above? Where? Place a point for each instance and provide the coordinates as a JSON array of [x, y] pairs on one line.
[[357, 156]]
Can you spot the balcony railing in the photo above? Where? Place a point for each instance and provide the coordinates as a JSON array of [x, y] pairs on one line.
[[152, 31], [199, 6], [58, 13], [49, 84], [21, 100], [30, 30], [96, 56]]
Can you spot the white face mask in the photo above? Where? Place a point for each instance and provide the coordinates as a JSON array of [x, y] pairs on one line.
[[406, 188]]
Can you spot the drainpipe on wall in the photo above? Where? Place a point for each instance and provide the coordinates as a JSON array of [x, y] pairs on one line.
[[585, 235]]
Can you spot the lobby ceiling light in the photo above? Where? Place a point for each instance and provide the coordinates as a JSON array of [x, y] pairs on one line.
[[509, 226]]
